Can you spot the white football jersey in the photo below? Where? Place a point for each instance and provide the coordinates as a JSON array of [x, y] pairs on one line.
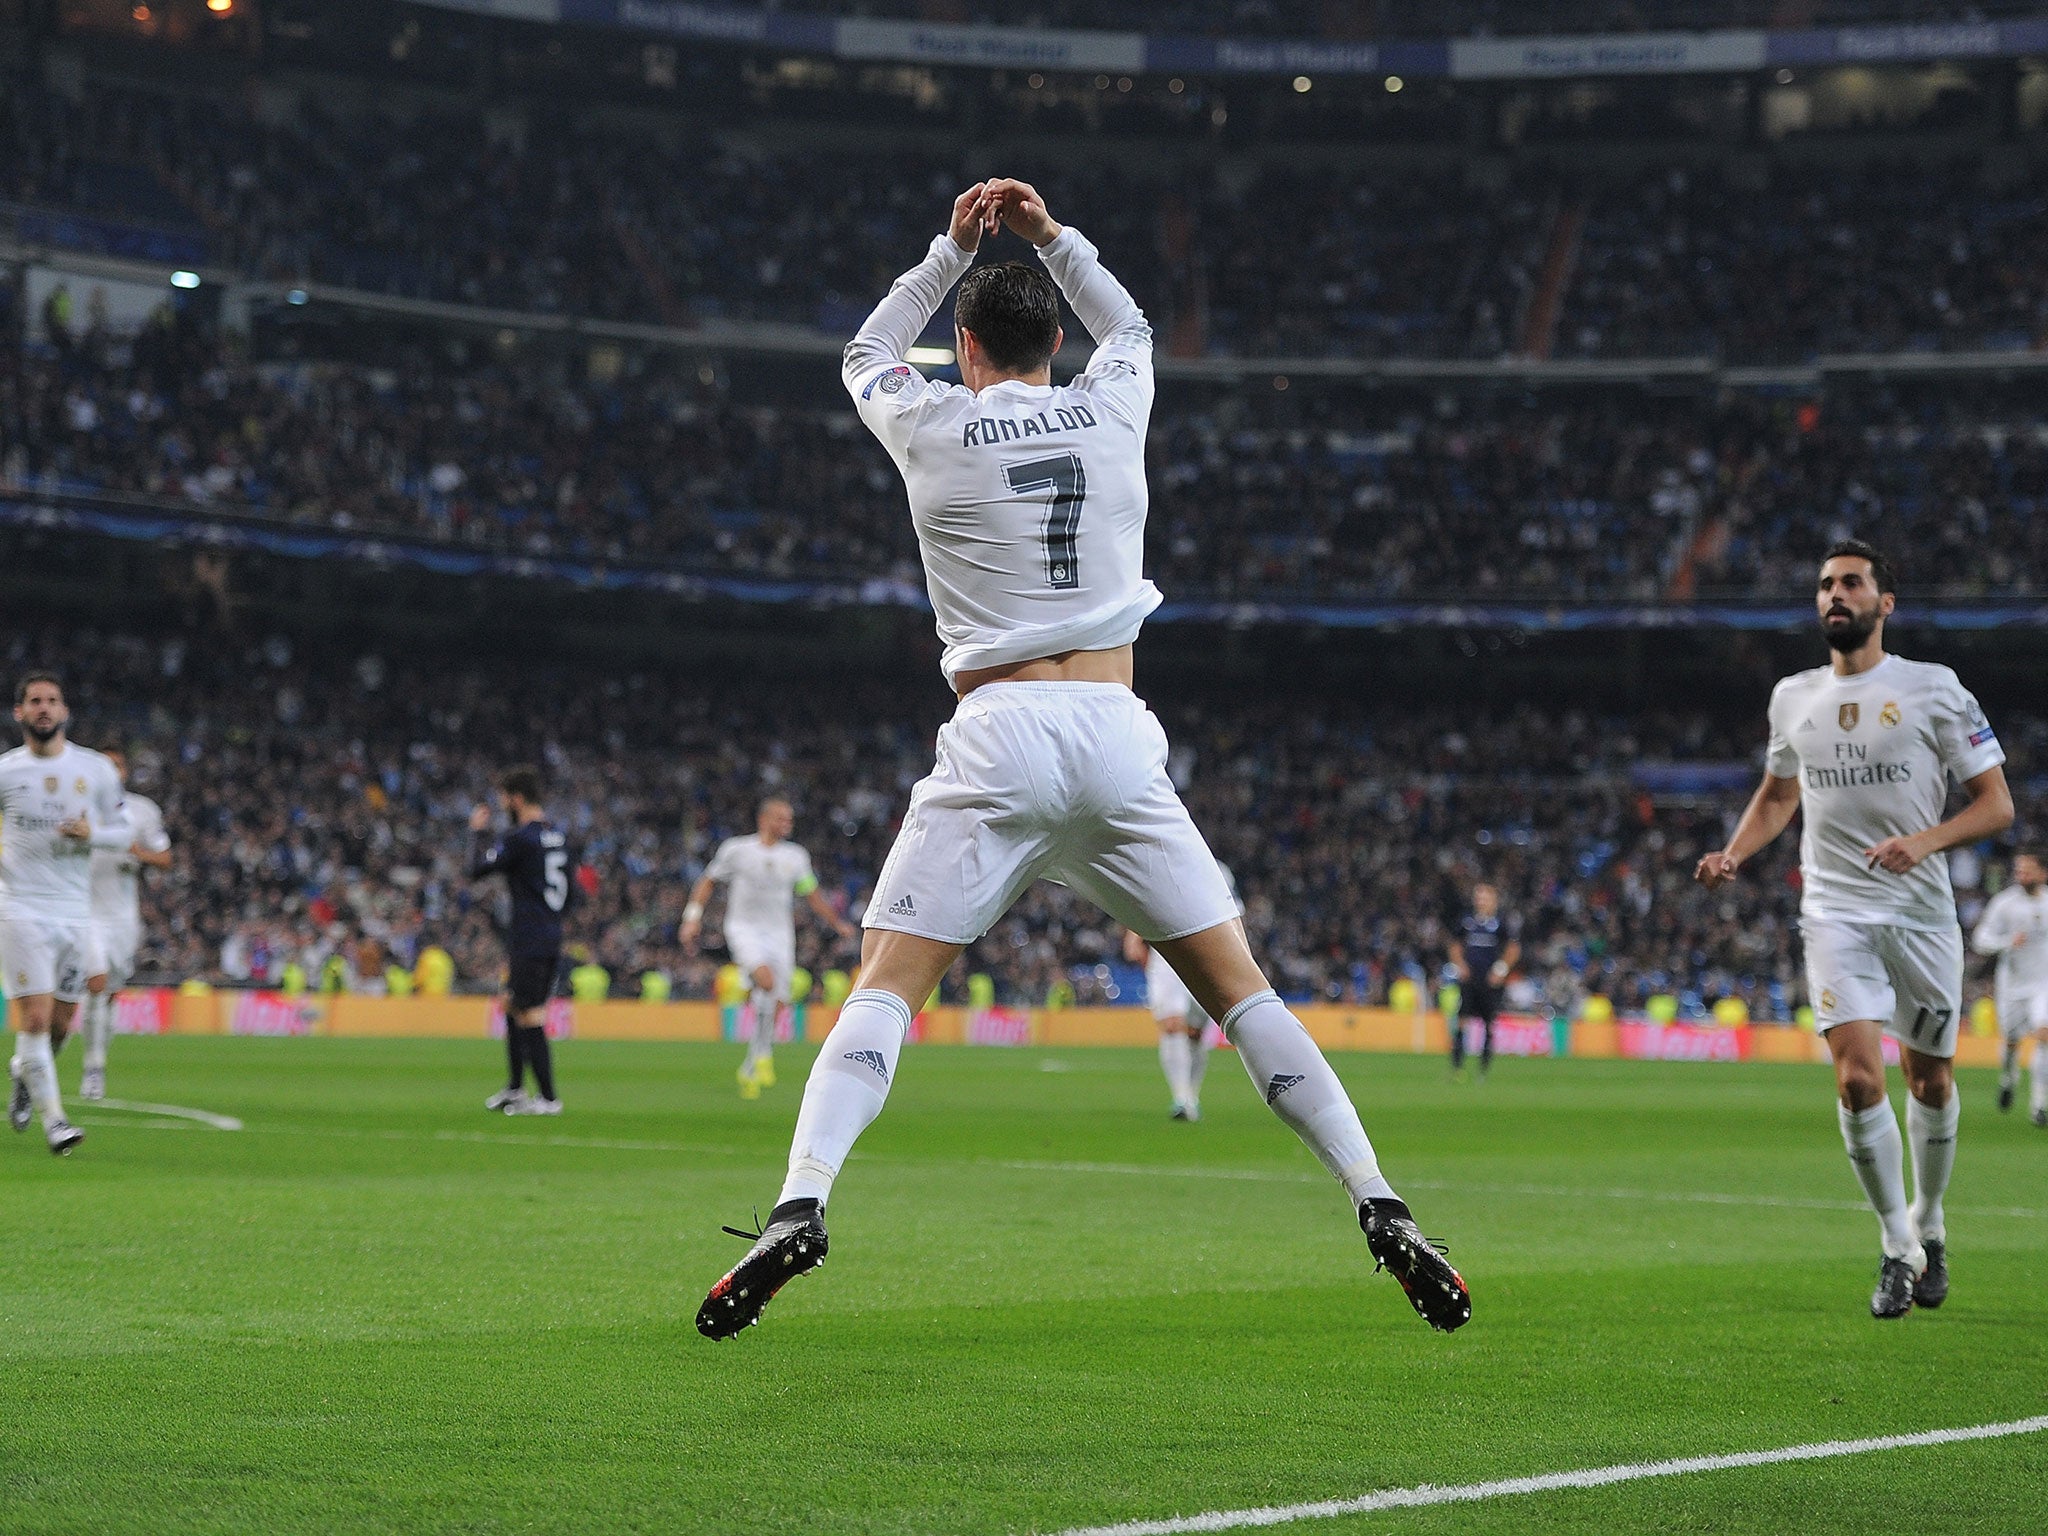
[[1873, 755], [1029, 500], [763, 882], [45, 877], [116, 875], [2013, 914]]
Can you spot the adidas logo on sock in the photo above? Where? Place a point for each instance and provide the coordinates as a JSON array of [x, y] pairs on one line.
[[871, 1060], [903, 906], [1282, 1081]]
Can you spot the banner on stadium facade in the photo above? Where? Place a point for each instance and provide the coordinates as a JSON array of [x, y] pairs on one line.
[[1507, 58], [1648, 53]]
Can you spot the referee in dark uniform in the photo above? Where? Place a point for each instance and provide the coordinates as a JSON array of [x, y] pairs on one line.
[[534, 859], [1484, 956]]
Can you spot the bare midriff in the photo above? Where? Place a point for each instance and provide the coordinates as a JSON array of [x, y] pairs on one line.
[[1068, 667]]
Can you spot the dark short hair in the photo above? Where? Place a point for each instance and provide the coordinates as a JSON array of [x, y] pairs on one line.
[[30, 679], [1880, 568], [523, 781], [1014, 311]]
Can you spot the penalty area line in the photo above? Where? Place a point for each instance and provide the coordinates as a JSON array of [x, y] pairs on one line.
[[172, 1111], [1589, 1477]]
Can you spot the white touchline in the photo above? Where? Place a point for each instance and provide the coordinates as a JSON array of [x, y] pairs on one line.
[[1590, 1477], [1541, 1191], [175, 1111]]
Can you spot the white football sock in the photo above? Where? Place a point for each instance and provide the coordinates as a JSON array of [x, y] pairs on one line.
[[2009, 1064], [1298, 1086], [39, 1071], [1878, 1155], [1173, 1059], [99, 1025], [2039, 1093], [849, 1083], [1931, 1133], [1198, 1056]]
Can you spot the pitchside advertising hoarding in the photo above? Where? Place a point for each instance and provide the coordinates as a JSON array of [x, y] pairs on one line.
[[157, 1011]]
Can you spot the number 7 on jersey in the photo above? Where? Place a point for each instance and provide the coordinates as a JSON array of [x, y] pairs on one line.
[[1067, 483]]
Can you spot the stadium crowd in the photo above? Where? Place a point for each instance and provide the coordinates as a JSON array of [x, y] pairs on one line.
[[318, 801], [1312, 495], [623, 221]]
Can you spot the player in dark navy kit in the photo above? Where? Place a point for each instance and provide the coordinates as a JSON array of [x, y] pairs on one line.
[[1483, 955], [534, 859]]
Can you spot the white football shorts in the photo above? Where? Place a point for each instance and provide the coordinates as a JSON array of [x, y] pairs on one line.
[[1060, 781], [1165, 993], [1910, 980], [2021, 1013], [40, 959], [752, 947], [116, 945]]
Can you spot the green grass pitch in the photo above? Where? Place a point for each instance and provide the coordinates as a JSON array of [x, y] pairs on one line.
[[379, 1309]]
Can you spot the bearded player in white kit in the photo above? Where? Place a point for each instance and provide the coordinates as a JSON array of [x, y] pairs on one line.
[[2014, 927], [117, 919], [58, 802], [1029, 504], [764, 874], [1867, 746]]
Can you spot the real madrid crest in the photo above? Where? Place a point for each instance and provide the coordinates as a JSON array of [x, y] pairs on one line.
[[1827, 999], [78, 786], [1847, 716], [1889, 716]]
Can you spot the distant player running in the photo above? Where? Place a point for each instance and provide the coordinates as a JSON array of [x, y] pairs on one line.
[[764, 874], [1029, 504], [2014, 927], [534, 859], [58, 802], [1867, 745], [117, 918]]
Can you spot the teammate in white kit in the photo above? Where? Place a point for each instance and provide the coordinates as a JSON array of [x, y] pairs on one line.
[[2014, 927], [1029, 502], [764, 874], [117, 918], [1867, 745], [58, 802], [1183, 1026]]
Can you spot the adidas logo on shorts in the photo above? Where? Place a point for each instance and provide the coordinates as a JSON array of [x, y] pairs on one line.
[[903, 906], [1282, 1081], [872, 1060]]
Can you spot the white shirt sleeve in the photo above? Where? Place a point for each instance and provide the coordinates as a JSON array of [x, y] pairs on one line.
[[721, 866], [109, 816], [1780, 760], [806, 876], [1967, 744], [1120, 372], [889, 394], [1994, 933], [149, 829]]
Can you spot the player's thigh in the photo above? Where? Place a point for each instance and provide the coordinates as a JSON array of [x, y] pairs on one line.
[[1926, 971], [530, 982], [1847, 979], [1217, 965], [1137, 854], [973, 838], [28, 959], [754, 951]]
